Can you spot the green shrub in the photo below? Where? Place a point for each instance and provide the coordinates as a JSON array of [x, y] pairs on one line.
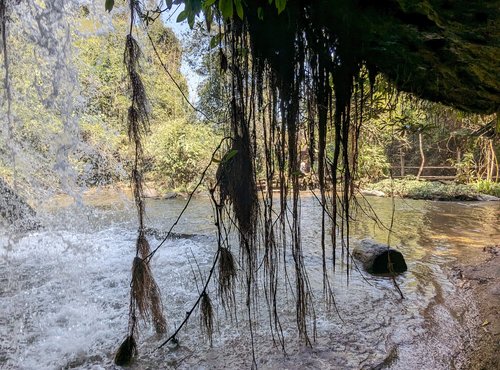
[[465, 168], [373, 164], [420, 189], [180, 152], [487, 187]]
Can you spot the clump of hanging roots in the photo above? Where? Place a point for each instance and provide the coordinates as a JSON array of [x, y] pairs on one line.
[[227, 276], [146, 294], [207, 315], [126, 351], [145, 298], [142, 245], [237, 187]]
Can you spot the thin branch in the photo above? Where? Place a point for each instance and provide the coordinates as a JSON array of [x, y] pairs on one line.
[[176, 84], [212, 269], [190, 312], [150, 256]]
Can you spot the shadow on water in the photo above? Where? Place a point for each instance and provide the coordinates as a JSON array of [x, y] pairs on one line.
[[64, 290]]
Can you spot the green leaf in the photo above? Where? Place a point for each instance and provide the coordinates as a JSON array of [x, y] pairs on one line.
[[260, 13], [239, 8], [226, 7], [208, 3], [191, 20], [229, 155], [280, 5], [109, 5], [214, 41], [208, 17], [196, 6], [182, 16]]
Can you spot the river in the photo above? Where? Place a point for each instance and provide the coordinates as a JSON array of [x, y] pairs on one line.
[[64, 290]]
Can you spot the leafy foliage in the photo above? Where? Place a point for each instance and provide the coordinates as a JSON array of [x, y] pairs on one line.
[[415, 189], [181, 150], [373, 163]]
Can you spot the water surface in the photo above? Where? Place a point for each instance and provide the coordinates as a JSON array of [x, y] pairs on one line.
[[64, 290]]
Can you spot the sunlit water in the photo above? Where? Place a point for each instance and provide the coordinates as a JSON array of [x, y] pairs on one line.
[[64, 291]]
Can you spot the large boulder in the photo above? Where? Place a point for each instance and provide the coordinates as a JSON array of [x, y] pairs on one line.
[[379, 258]]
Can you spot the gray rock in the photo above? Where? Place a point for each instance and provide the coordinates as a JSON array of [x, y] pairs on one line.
[[375, 258], [162, 234], [487, 198]]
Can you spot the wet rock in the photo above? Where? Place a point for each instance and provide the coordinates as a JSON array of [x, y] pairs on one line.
[[16, 210], [170, 196], [161, 234], [375, 258], [487, 198]]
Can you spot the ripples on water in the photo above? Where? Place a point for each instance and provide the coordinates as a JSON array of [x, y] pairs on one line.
[[64, 292]]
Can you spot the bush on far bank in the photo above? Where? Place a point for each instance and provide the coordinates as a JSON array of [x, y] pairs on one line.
[[434, 190]]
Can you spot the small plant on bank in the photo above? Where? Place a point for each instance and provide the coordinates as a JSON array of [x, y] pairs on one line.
[[487, 187]]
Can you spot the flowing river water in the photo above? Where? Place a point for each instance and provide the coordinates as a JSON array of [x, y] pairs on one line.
[[64, 290]]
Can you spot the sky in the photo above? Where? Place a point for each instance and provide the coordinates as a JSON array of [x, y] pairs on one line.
[[181, 30]]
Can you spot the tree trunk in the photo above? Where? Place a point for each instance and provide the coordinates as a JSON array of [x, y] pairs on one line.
[[459, 159], [422, 155], [492, 161]]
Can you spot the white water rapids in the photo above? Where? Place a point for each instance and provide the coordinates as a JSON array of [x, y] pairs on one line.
[[64, 292]]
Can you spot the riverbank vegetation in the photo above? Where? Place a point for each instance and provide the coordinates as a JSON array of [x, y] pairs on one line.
[[435, 190]]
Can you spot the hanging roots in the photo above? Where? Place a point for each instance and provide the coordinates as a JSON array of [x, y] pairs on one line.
[[132, 53], [138, 122], [159, 321], [146, 294], [207, 315], [126, 352], [143, 245], [227, 276], [237, 186]]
